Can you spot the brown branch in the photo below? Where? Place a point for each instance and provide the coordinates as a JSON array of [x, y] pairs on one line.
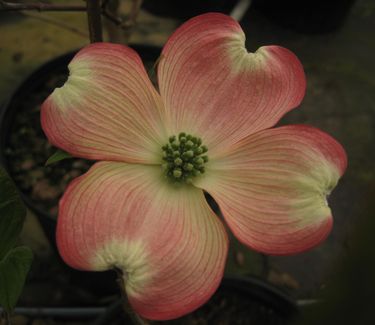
[[129, 24], [105, 4], [94, 20], [58, 23], [134, 12], [39, 6], [126, 25], [113, 18], [110, 8]]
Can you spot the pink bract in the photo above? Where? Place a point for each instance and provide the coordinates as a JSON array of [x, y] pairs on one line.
[[271, 184]]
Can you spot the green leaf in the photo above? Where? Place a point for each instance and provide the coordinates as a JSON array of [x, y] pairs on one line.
[[12, 213], [57, 156], [13, 271]]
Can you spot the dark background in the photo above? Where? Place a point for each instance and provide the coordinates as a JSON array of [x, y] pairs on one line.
[[336, 44]]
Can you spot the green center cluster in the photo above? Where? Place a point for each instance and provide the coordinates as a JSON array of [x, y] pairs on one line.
[[184, 158]]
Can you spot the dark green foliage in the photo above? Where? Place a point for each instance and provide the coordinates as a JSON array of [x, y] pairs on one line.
[[12, 213], [13, 271], [14, 262]]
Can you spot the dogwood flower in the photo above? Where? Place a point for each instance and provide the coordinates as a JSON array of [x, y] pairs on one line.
[[141, 208]]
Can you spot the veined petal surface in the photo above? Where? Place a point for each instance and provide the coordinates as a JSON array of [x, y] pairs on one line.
[[169, 244], [107, 109], [272, 188], [213, 88]]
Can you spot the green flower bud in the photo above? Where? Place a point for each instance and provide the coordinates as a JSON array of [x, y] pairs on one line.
[[177, 173], [183, 158]]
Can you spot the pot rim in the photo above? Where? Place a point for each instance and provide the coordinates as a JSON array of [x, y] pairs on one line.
[[249, 285]]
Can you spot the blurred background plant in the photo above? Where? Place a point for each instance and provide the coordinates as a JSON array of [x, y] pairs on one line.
[[14, 261]]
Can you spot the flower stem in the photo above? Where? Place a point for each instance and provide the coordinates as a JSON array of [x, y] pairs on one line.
[[136, 319], [94, 20]]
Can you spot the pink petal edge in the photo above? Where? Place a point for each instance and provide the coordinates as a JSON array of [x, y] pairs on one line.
[[272, 188], [213, 88], [167, 241], [107, 109]]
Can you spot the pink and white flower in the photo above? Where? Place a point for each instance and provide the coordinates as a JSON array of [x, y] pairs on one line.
[[142, 207]]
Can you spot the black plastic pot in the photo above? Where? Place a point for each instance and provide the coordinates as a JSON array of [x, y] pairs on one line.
[[7, 115], [239, 300], [259, 303], [308, 16]]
